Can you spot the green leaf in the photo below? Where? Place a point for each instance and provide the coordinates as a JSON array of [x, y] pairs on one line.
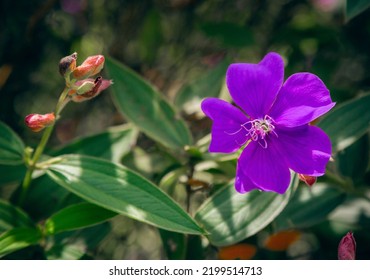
[[119, 189], [112, 144], [49, 198], [11, 216], [230, 217], [346, 123], [144, 106], [86, 239], [309, 206], [11, 146], [18, 238], [352, 162], [77, 216], [355, 7], [353, 213], [190, 95]]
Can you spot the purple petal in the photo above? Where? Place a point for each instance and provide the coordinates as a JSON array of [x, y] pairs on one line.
[[303, 98], [265, 167], [242, 183], [306, 149], [254, 86], [227, 133]]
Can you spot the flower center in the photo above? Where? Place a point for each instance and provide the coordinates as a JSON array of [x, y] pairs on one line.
[[258, 129]]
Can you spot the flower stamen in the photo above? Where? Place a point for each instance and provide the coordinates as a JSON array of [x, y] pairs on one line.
[[257, 130]]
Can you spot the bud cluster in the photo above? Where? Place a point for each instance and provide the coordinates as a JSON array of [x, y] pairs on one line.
[[79, 86]]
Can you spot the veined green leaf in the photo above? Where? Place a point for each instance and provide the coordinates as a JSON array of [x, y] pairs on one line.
[[309, 206], [11, 146], [355, 7], [18, 238], [346, 123], [230, 217], [11, 217], [112, 144], [77, 216], [144, 106], [119, 189]]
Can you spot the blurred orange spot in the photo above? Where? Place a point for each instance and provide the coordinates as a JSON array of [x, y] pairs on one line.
[[237, 252], [280, 241]]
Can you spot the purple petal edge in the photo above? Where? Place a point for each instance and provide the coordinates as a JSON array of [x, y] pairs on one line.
[[227, 133], [254, 87]]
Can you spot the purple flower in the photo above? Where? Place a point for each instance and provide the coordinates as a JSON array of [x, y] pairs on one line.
[[274, 125]]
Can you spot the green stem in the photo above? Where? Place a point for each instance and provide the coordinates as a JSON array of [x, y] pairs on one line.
[[40, 148]]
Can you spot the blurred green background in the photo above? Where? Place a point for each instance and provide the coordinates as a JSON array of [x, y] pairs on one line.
[[170, 43]]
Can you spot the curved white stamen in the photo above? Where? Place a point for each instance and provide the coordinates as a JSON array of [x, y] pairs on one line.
[[258, 131]]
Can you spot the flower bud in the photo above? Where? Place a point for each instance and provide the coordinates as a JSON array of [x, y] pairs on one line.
[[99, 85], [90, 67], [37, 122], [347, 247], [67, 64], [309, 180]]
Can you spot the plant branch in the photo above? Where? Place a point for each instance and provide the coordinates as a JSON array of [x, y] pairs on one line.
[[40, 149]]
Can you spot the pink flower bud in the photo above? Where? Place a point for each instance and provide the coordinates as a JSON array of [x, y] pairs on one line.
[[37, 122], [67, 64], [99, 85], [90, 67], [309, 180], [347, 247]]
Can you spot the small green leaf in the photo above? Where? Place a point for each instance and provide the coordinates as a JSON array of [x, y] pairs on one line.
[[144, 106], [11, 217], [112, 144], [18, 238], [230, 217], [190, 95], [346, 123], [11, 146], [355, 7], [77, 216], [119, 189], [309, 206]]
